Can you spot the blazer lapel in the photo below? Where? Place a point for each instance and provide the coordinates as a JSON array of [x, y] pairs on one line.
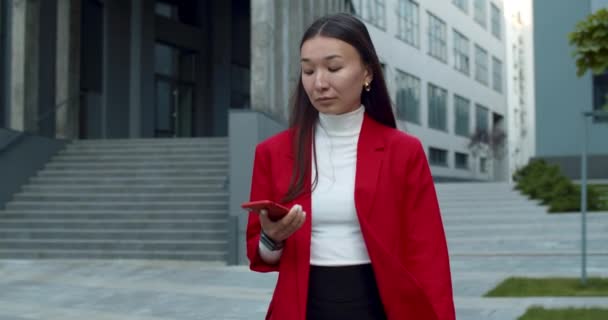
[[370, 154]]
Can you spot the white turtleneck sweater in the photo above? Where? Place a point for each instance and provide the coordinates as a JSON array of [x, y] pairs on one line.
[[336, 234]]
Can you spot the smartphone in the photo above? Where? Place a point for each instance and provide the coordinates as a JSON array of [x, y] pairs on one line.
[[275, 210]]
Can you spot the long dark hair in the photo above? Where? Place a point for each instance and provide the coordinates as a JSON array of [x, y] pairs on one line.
[[303, 116]]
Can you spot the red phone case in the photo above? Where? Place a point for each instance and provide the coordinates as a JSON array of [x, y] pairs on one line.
[[275, 210]]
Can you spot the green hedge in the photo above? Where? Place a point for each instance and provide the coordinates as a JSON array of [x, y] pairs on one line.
[[546, 183]]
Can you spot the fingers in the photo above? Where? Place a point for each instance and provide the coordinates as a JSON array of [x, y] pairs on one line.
[[282, 229]]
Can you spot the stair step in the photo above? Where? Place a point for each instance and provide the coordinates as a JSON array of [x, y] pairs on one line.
[[200, 181], [103, 214], [143, 245], [72, 205], [150, 164], [135, 190], [136, 224], [75, 253], [117, 234], [85, 150], [135, 198], [149, 173], [102, 158], [153, 141]]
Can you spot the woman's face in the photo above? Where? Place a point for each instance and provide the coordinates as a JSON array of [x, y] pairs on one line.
[[333, 74]]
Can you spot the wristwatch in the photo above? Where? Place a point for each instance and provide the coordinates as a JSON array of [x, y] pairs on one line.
[[271, 244]]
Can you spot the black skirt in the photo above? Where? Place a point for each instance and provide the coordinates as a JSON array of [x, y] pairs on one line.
[[348, 292]]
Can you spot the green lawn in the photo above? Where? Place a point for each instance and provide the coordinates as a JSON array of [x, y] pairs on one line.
[[538, 313], [550, 287]]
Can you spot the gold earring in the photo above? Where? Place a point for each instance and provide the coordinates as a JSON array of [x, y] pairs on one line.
[[367, 87]]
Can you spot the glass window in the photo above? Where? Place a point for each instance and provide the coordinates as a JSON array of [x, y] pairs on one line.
[[462, 4], [166, 10], [408, 97], [496, 19], [437, 38], [481, 118], [497, 74], [461, 53], [437, 107], [372, 11], [483, 165], [461, 160], [480, 15], [481, 65], [600, 93], [165, 59], [409, 22], [438, 157], [461, 110]]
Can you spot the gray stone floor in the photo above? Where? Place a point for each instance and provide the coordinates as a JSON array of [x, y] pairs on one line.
[[154, 290], [485, 247]]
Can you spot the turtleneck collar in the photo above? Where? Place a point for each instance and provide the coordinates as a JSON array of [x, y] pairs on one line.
[[342, 124]]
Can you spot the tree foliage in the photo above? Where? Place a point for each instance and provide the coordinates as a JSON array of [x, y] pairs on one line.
[[590, 39]]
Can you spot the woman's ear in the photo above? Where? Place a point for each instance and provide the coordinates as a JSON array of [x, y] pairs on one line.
[[369, 74]]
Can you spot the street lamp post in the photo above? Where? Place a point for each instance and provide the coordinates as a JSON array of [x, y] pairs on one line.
[[586, 114]]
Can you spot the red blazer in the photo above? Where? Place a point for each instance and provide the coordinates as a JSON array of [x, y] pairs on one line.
[[399, 217]]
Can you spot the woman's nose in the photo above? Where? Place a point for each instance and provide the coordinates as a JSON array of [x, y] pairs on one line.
[[321, 81]]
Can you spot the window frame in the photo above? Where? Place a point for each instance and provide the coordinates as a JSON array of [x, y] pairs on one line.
[[402, 79], [481, 77], [460, 40], [480, 12], [458, 98], [405, 22], [438, 41], [433, 111], [497, 77], [496, 21]]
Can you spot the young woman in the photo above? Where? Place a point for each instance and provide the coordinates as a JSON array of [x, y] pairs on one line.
[[364, 237]]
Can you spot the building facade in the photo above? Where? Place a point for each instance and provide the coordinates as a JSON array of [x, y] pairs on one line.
[[91, 69], [562, 97], [520, 83], [444, 63]]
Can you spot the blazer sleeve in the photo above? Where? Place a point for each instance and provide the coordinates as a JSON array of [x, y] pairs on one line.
[[425, 252], [261, 189]]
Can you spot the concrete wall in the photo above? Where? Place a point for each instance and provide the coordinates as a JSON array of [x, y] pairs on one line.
[[116, 115], [561, 97], [276, 31], [520, 83], [4, 76], [246, 129], [22, 159]]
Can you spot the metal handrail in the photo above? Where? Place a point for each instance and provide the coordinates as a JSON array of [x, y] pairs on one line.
[[48, 113], [44, 116]]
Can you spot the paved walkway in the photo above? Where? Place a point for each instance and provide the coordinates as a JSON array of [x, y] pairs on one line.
[[149, 290], [487, 242]]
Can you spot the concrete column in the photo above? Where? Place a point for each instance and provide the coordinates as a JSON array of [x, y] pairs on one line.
[[262, 55], [135, 105], [24, 64], [67, 96], [4, 92], [275, 48]]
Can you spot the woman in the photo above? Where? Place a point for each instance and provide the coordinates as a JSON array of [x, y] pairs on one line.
[[363, 238]]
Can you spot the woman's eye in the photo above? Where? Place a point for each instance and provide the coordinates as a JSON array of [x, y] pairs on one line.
[[334, 69], [307, 72]]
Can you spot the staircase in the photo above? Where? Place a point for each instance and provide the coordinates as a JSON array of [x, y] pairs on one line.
[[492, 220], [131, 199]]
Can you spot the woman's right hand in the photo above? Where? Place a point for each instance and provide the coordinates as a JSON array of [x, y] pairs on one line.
[[281, 229]]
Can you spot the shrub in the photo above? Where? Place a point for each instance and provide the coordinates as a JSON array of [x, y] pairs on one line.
[[545, 182]]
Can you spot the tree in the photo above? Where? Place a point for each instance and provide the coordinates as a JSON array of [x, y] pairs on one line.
[[488, 142], [590, 39]]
